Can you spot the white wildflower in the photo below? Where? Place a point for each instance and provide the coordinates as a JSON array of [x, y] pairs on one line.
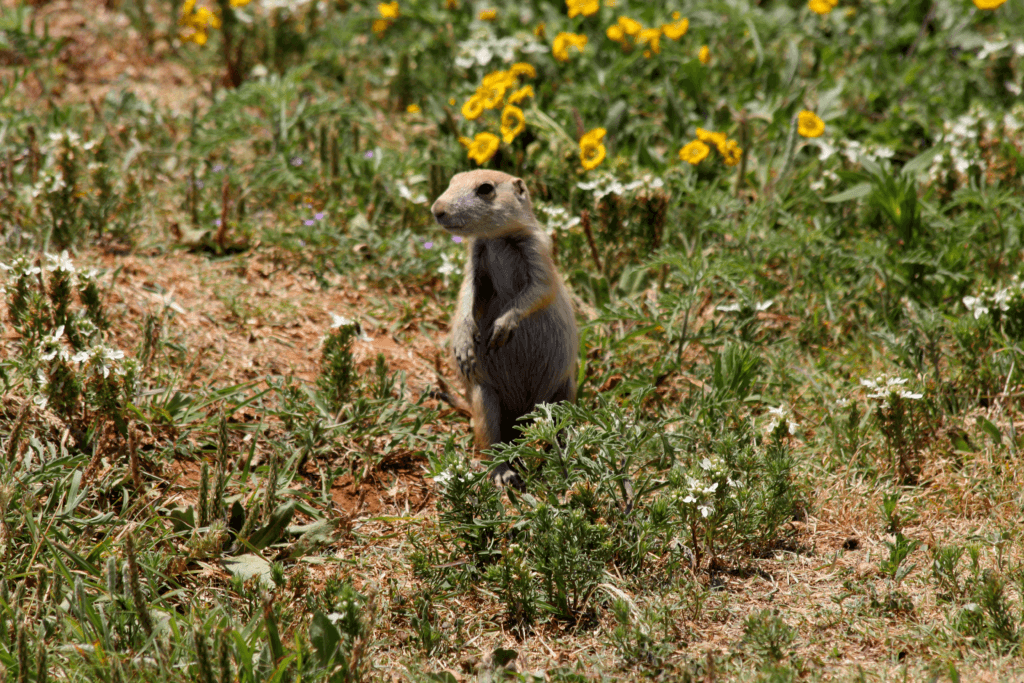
[[448, 266], [405, 193], [50, 346], [340, 321], [61, 262]]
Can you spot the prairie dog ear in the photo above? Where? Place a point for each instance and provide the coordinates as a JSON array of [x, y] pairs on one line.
[[520, 187]]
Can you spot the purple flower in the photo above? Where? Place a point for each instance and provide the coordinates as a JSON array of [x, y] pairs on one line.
[[457, 239], [217, 168], [319, 215], [296, 161], [428, 245], [368, 155], [217, 222], [308, 222]]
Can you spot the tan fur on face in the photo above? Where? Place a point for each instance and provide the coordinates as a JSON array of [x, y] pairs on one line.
[[462, 210]]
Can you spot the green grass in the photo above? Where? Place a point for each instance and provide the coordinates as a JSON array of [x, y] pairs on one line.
[[795, 452]]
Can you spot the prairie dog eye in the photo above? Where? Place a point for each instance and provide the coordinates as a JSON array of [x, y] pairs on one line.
[[484, 189]]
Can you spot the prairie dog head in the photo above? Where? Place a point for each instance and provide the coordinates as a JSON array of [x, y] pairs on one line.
[[484, 204]]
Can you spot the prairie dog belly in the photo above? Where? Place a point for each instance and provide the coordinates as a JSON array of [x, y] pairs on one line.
[[537, 360]]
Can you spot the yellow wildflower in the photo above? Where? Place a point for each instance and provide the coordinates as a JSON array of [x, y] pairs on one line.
[[451, 4], [473, 107], [491, 97], [675, 16], [488, 15], [809, 125], [451, 101], [732, 153], [483, 147], [704, 55], [563, 41], [616, 33], [413, 109], [197, 22], [676, 30], [988, 4], [592, 152], [651, 37], [717, 139], [465, 142], [239, 3], [498, 79], [822, 6], [512, 123], [388, 10], [632, 27], [694, 152], [380, 27], [539, 31], [521, 94], [585, 7], [523, 69]]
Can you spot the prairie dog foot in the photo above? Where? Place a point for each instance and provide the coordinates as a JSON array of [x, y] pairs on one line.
[[503, 475]]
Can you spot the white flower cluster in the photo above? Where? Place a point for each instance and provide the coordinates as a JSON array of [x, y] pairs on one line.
[[853, 150], [606, 184], [454, 473], [448, 266], [883, 386], [736, 307], [558, 218], [51, 179], [963, 136], [484, 46], [991, 299], [781, 415], [100, 358], [700, 495]]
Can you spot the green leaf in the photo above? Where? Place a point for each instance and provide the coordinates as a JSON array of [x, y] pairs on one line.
[[616, 115], [856, 192], [249, 566], [324, 637], [183, 519], [322, 532], [501, 657], [991, 430], [274, 529]]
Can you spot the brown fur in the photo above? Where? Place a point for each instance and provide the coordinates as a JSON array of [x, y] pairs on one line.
[[513, 335]]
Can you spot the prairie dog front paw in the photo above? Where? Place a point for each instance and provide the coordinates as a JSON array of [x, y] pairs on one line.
[[504, 326]]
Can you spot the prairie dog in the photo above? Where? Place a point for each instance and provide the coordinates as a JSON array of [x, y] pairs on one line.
[[513, 335]]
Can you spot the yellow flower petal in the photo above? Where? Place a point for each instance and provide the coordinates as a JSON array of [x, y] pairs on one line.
[[473, 108], [483, 147], [676, 30], [523, 69], [388, 10], [694, 152], [521, 94], [563, 41], [809, 125], [704, 55], [512, 123]]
